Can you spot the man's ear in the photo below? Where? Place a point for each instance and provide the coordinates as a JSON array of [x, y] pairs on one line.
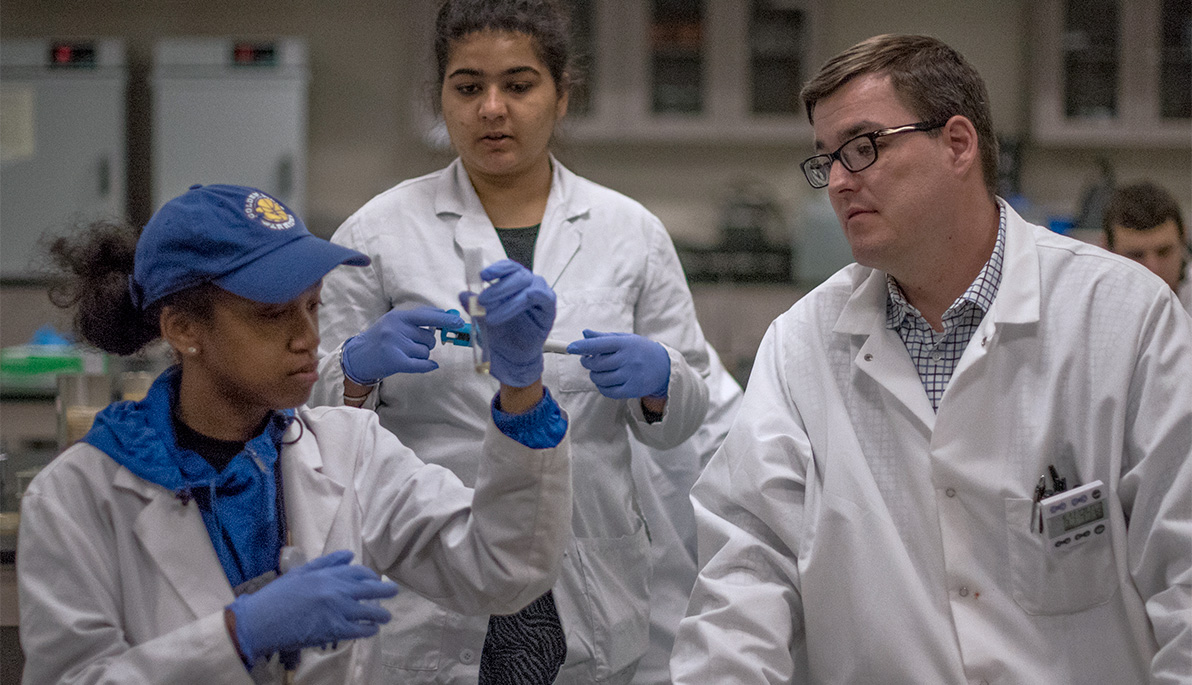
[[179, 330], [960, 136]]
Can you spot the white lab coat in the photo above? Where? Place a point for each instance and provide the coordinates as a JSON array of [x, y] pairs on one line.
[[119, 582], [663, 479], [849, 534], [1185, 289], [613, 268]]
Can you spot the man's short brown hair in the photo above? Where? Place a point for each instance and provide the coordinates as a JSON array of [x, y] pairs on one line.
[[1140, 206], [933, 80]]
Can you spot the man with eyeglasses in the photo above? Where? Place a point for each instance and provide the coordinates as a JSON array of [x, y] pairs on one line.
[[890, 505]]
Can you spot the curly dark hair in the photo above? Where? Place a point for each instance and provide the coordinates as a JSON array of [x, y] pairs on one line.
[[90, 269]]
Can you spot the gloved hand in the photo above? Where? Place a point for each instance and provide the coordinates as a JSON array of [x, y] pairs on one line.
[[520, 310], [398, 342], [314, 604], [624, 365]]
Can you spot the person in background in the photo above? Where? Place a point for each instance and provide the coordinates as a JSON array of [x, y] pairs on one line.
[[637, 355], [205, 534], [878, 512], [663, 479], [1142, 221]]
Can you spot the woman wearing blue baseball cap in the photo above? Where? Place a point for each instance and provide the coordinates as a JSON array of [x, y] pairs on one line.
[[206, 533]]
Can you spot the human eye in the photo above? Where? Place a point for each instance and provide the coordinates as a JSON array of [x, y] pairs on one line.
[[271, 312], [520, 87], [467, 89], [863, 146]]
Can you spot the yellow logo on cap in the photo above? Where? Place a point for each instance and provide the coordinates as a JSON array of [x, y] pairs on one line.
[[268, 211]]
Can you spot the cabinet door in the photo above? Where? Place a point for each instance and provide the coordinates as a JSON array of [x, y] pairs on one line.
[[1113, 73], [693, 70], [224, 130], [62, 147]]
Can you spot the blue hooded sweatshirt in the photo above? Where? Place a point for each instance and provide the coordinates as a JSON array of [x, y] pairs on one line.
[[238, 504]]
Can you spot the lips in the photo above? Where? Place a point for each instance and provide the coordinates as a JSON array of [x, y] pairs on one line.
[[854, 211], [307, 372]]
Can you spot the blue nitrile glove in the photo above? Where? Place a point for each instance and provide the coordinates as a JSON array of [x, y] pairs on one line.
[[519, 312], [319, 602], [398, 342], [624, 365]]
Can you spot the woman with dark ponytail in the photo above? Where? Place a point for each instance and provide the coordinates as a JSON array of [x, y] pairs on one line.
[[636, 364], [205, 533]]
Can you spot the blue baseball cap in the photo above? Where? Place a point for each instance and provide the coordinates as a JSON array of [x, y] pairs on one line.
[[241, 239]]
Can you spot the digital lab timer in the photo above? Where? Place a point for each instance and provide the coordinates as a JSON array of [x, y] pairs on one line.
[[1075, 516]]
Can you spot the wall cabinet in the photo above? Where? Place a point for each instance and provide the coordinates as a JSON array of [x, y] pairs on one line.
[[1113, 73], [707, 71]]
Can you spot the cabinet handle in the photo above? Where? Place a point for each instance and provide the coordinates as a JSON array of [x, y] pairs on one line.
[[285, 177], [104, 176]]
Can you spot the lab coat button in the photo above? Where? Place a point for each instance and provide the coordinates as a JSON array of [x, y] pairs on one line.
[[466, 656], [963, 591], [950, 492], [869, 357]]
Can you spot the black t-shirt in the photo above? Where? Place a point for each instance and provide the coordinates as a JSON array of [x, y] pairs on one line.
[[519, 243], [218, 453]]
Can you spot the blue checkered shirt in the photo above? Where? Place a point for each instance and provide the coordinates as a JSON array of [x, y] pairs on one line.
[[935, 354]]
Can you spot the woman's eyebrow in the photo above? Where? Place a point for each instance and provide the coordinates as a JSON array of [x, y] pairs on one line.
[[468, 71]]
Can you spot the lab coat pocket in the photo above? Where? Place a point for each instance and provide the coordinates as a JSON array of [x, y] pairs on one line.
[[599, 309], [1048, 580], [413, 639], [616, 589]]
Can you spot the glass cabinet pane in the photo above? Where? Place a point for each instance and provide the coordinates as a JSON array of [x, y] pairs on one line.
[[583, 50], [776, 39], [1175, 69], [677, 61], [1091, 58]]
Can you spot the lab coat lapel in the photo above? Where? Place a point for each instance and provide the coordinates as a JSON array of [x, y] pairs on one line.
[[1016, 302], [561, 234], [173, 535], [312, 497], [456, 200], [883, 356]]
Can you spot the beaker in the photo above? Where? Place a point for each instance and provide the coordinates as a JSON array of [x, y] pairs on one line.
[[80, 397], [134, 385]]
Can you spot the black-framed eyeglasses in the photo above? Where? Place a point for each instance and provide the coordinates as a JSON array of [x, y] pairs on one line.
[[857, 153]]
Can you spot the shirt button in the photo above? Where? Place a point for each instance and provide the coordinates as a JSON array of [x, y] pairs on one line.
[[466, 656], [963, 591], [950, 492], [937, 355]]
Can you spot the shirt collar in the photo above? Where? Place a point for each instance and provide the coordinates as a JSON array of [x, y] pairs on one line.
[[980, 292]]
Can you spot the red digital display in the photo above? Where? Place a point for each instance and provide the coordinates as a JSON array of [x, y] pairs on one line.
[[72, 55], [254, 54]]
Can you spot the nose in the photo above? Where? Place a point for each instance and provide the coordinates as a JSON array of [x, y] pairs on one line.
[[492, 105], [305, 336], [840, 178], [1153, 262]]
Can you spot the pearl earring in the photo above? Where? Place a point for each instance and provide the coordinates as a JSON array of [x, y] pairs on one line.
[[191, 350]]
